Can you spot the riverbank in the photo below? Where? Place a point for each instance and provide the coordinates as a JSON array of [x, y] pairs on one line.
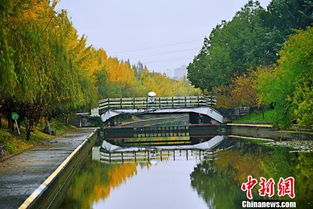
[[25, 178], [300, 140], [266, 130], [13, 143], [257, 117]]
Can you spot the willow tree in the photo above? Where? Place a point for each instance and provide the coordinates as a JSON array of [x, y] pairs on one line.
[[40, 74], [20, 64]]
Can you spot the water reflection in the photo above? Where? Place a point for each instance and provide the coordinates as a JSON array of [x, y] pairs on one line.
[[200, 144], [116, 154], [94, 182], [148, 156], [218, 181], [210, 181]]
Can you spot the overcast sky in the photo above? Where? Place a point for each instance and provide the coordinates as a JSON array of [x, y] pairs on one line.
[[163, 34]]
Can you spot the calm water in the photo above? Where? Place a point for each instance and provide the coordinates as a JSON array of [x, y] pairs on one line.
[[200, 182]]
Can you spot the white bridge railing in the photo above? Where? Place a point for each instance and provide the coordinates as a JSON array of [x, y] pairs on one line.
[[156, 102]]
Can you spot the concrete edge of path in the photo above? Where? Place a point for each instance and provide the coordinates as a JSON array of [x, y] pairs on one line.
[[251, 125], [250, 137], [40, 190]]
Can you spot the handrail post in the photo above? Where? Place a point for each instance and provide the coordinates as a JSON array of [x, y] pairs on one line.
[[149, 155], [159, 102], [145, 103]]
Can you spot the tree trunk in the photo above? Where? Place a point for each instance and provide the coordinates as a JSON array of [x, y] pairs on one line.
[[29, 126], [28, 131], [263, 113], [10, 124], [28, 135], [0, 121]]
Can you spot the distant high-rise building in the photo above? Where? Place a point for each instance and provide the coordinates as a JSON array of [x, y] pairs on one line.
[[139, 67], [180, 72]]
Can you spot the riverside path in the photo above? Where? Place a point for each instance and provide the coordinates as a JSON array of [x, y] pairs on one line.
[[24, 177]]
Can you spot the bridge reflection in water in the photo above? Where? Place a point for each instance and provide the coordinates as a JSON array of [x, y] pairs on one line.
[[114, 154], [193, 130], [150, 156]]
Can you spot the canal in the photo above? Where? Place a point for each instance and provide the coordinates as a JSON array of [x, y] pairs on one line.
[[186, 176]]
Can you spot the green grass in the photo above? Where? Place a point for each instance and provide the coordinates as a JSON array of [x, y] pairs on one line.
[[56, 125], [258, 117], [14, 143]]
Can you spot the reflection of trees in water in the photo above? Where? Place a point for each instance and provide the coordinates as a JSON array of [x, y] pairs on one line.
[[94, 182], [218, 189], [218, 182], [304, 180]]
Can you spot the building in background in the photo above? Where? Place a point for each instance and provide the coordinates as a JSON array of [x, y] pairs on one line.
[[179, 73]]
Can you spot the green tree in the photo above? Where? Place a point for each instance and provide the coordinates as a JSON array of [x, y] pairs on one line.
[[232, 48], [39, 75], [251, 39], [289, 87]]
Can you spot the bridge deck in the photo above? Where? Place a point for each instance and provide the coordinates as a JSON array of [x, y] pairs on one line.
[[200, 110], [112, 107], [155, 102]]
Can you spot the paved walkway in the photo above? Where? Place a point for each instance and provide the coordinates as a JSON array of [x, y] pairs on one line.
[[22, 174]]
